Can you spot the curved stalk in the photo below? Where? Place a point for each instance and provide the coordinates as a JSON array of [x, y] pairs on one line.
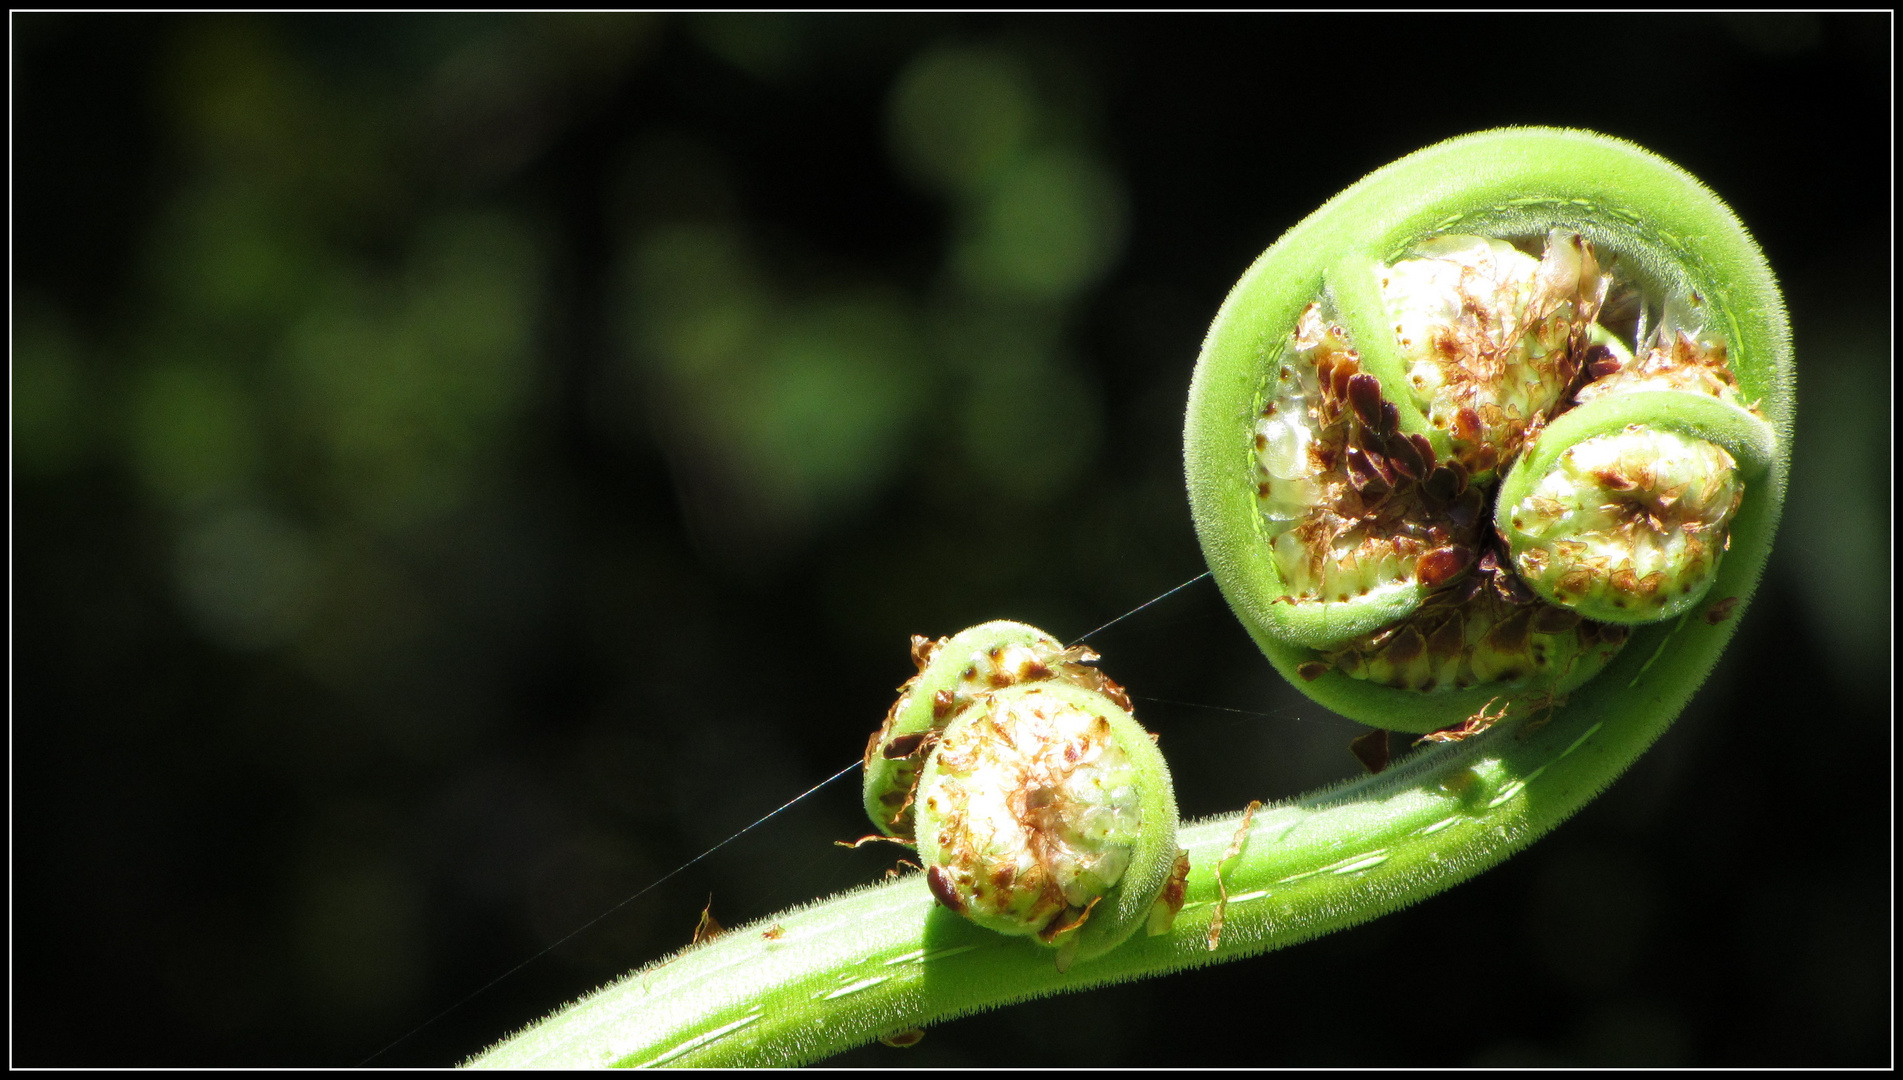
[[808, 983], [885, 958]]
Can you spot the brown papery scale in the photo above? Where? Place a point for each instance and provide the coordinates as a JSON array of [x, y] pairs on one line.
[[1339, 487]]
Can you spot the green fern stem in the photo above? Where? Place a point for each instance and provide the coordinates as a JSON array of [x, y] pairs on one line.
[[809, 983], [844, 971]]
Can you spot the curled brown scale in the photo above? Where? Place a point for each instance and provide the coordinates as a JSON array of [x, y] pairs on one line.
[[1353, 503]]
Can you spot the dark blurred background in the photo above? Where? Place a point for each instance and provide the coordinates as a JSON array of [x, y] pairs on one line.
[[464, 466]]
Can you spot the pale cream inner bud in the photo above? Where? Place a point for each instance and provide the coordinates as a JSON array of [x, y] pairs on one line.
[[1036, 811], [1492, 336]]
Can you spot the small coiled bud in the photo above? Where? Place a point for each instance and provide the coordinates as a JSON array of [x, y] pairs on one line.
[[1039, 806], [953, 673], [1047, 812], [1627, 527]]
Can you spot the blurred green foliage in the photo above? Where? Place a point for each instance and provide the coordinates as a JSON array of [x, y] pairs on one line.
[[467, 464]]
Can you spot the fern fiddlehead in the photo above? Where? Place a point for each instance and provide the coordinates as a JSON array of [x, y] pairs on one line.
[[1321, 562], [1532, 401]]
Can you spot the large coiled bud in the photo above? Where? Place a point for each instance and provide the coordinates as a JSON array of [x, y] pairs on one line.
[[1451, 444]]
